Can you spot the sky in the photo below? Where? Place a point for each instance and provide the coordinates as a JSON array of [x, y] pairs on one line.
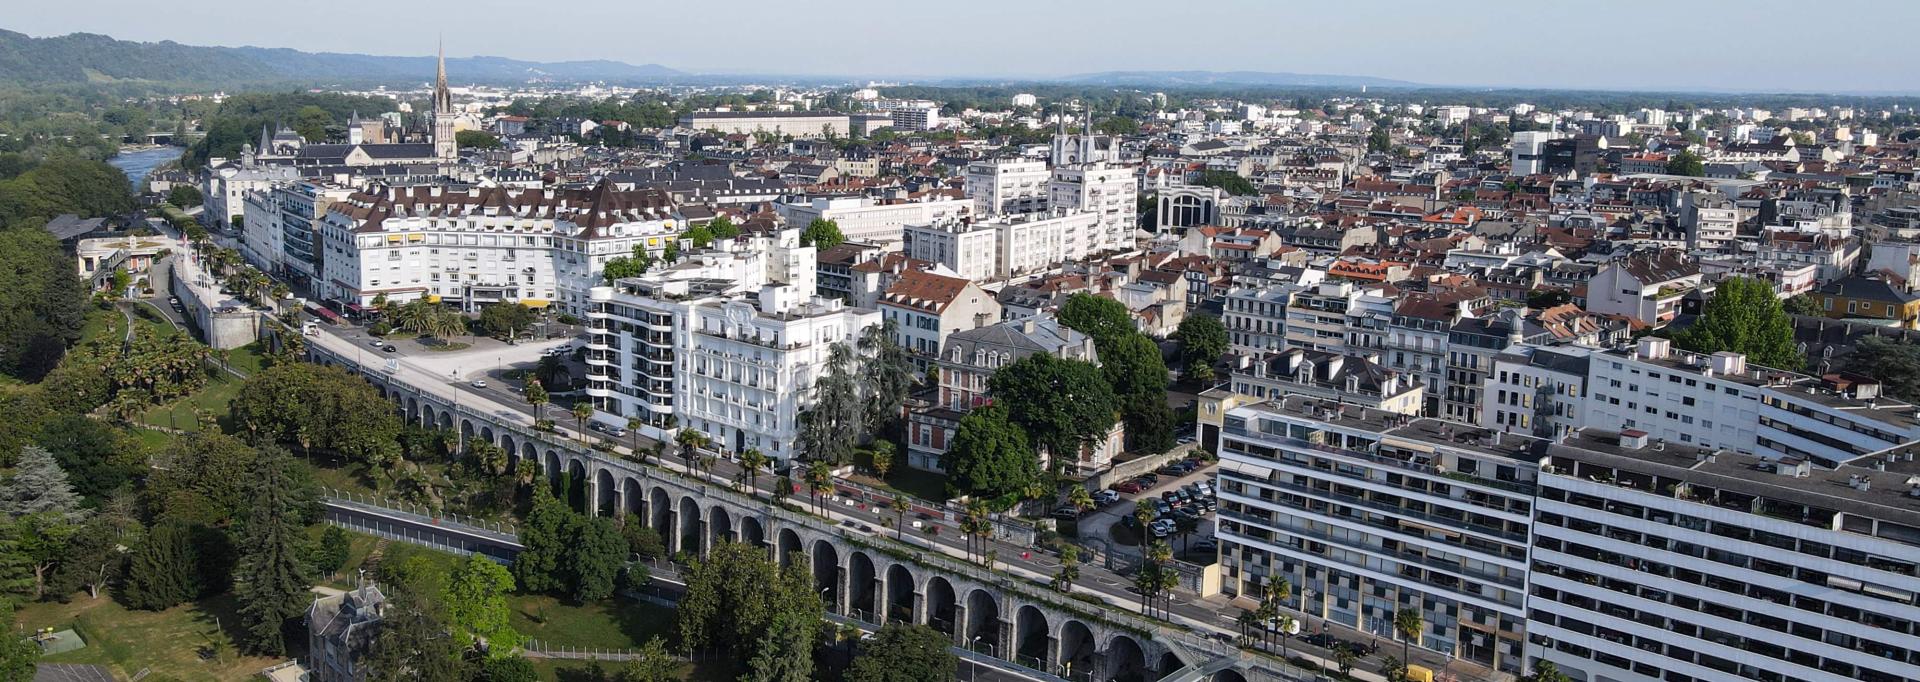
[[1751, 45]]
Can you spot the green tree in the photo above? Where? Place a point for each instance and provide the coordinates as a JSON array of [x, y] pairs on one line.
[[882, 456], [505, 668], [989, 456], [184, 196], [1203, 339], [582, 411], [271, 579], [1744, 316], [1686, 163], [38, 486], [1895, 364], [722, 227], [1232, 182], [1379, 141], [886, 372], [332, 552], [822, 234], [476, 139], [735, 595], [656, 664], [43, 304], [505, 320], [1802, 305], [166, 569], [1101, 318], [642, 541], [752, 461], [476, 605], [1408, 623], [1545, 671], [593, 556], [312, 122], [95, 554], [699, 236], [904, 653], [1138, 376], [19, 656], [621, 267], [785, 654], [543, 539], [414, 643], [832, 425], [314, 406], [536, 395], [1060, 404]]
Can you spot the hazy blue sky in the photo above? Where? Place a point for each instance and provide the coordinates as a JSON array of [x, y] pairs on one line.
[[1833, 45]]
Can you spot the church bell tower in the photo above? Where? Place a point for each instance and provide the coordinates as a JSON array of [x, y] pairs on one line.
[[444, 147]]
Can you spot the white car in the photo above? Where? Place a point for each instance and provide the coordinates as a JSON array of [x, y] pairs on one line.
[[479, 383]]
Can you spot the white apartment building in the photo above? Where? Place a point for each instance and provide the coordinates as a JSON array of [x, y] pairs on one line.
[[1366, 512], [1646, 286], [278, 235], [803, 124], [1661, 562], [481, 246], [1719, 401], [970, 251], [1530, 151], [1007, 186], [925, 308], [224, 191], [1111, 194], [1019, 246], [863, 219], [1536, 390], [1256, 318]]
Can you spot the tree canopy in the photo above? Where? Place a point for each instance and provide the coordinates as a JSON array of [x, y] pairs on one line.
[[43, 304], [989, 456], [315, 406], [1744, 316], [735, 595], [1203, 339], [822, 234], [1060, 404], [1230, 181], [1099, 317], [1686, 163], [904, 653]]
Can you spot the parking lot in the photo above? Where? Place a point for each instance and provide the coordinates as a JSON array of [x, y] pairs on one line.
[[1098, 525]]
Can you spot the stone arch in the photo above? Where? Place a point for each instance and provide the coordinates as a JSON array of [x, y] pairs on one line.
[[446, 420], [576, 486], [486, 434], [863, 582], [606, 494], [826, 574], [1170, 663], [413, 409], [528, 454], [466, 429], [751, 532], [633, 499], [941, 604], [1078, 649], [720, 526], [1228, 675], [983, 623], [553, 471], [660, 505], [507, 445], [1030, 631], [898, 601], [788, 546], [688, 530], [1125, 660]]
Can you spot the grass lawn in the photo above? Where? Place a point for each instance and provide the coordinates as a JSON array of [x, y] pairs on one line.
[[554, 670], [151, 439], [925, 485], [613, 624], [247, 359], [212, 398], [170, 643]]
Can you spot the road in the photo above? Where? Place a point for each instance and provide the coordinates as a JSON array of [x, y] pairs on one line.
[[851, 505]]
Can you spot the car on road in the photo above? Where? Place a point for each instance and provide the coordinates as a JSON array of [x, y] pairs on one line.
[[614, 430], [479, 383], [390, 348], [1065, 513], [1183, 440], [374, 342], [1128, 487]]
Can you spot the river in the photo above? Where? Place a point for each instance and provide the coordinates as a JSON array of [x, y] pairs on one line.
[[138, 163]]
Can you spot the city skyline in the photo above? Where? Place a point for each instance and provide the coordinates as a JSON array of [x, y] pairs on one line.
[[1494, 45]]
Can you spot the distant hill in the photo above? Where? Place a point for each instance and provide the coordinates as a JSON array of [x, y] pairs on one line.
[[1265, 78], [92, 58]]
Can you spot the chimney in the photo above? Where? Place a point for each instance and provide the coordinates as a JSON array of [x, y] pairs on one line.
[[1653, 348]]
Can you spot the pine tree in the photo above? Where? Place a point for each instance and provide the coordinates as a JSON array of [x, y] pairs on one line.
[[161, 570], [272, 579], [38, 485], [537, 567]]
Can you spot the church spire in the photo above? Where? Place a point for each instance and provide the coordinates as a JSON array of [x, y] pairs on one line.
[[442, 98]]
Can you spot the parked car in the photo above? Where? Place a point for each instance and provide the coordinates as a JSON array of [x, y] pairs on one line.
[[1161, 508], [1128, 487], [1203, 545], [1066, 513], [1106, 497], [1161, 528], [1148, 480], [1172, 499]]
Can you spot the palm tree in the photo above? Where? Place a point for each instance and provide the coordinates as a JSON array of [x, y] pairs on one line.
[[582, 411], [706, 464], [976, 525], [1344, 656], [1144, 511], [551, 371], [819, 482], [899, 505], [882, 458], [1069, 569], [1247, 622], [690, 443], [633, 429], [1408, 623], [536, 396], [751, 462], [1285, 625], [1184, 525], [1081, 500], [1272, 595]]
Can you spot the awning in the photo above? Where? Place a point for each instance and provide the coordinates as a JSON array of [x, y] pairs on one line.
[[433, 298], [534, 302]]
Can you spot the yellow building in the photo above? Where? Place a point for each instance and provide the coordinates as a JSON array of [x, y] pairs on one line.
[[1866, 298]]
